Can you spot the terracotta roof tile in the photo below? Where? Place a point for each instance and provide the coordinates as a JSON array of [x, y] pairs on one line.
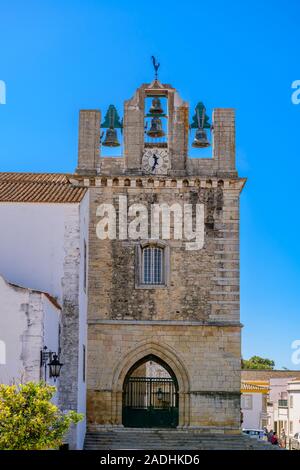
[[39, 187], [35, 177]]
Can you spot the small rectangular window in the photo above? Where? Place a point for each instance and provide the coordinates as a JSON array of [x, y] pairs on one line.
[[291, 401], [153, 265], [59, 339], [83, 362], [247, 402], [85, 265]]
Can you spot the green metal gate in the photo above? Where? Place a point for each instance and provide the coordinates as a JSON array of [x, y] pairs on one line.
[[150, 402]]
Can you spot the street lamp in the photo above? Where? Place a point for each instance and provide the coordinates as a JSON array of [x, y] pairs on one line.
[[54, 367], [159, 394], [54, 364]]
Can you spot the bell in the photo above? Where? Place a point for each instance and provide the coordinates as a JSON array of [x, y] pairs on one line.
[[200, 139], [156, 107], [156, 129], [111, 138]]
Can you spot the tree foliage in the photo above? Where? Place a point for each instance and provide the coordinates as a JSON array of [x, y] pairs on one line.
[[29, 420], [257, 362]]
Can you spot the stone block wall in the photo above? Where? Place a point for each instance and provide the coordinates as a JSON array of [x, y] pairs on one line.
[[89, 142], [224, 140], [205, 360], [193, 321], [204, 284]]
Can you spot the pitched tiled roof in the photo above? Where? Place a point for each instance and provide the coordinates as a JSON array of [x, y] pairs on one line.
[[267, 374], [39, 187]]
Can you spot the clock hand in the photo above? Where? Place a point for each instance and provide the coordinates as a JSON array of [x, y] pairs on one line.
[[155, 158]]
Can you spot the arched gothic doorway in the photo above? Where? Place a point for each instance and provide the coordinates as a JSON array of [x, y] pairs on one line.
[[150, 395]]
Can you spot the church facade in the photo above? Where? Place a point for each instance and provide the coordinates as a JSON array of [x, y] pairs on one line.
[[155, 299], [142, 264]]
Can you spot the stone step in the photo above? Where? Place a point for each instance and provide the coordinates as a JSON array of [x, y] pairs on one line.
[[157, 439]]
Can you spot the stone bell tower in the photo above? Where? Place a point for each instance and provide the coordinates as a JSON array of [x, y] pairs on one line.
[[156, 298]]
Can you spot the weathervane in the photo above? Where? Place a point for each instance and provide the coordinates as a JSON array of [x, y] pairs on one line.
[[156, 66]]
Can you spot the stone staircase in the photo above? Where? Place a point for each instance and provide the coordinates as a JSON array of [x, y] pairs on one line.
[[169, 439]]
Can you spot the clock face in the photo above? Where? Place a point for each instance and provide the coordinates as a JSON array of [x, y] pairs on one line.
[[155, 161]]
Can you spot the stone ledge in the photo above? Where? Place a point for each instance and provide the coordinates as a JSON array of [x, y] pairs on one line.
[[213, 393], [166, 322]]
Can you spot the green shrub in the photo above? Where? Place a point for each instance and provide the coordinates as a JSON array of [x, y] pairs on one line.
[[29, 420]]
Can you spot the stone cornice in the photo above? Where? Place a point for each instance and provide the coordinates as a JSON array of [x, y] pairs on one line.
[[96, 321], [158, 182]]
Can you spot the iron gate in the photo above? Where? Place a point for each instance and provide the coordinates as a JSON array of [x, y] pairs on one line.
[[150, 402]]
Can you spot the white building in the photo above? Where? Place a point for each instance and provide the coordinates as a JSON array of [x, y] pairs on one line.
[[254, 405], [43, 248], [278, 405], [283, 401], [293, 393], [29, 320]]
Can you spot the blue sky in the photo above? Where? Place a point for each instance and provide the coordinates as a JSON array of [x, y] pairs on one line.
[[57, 57]]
